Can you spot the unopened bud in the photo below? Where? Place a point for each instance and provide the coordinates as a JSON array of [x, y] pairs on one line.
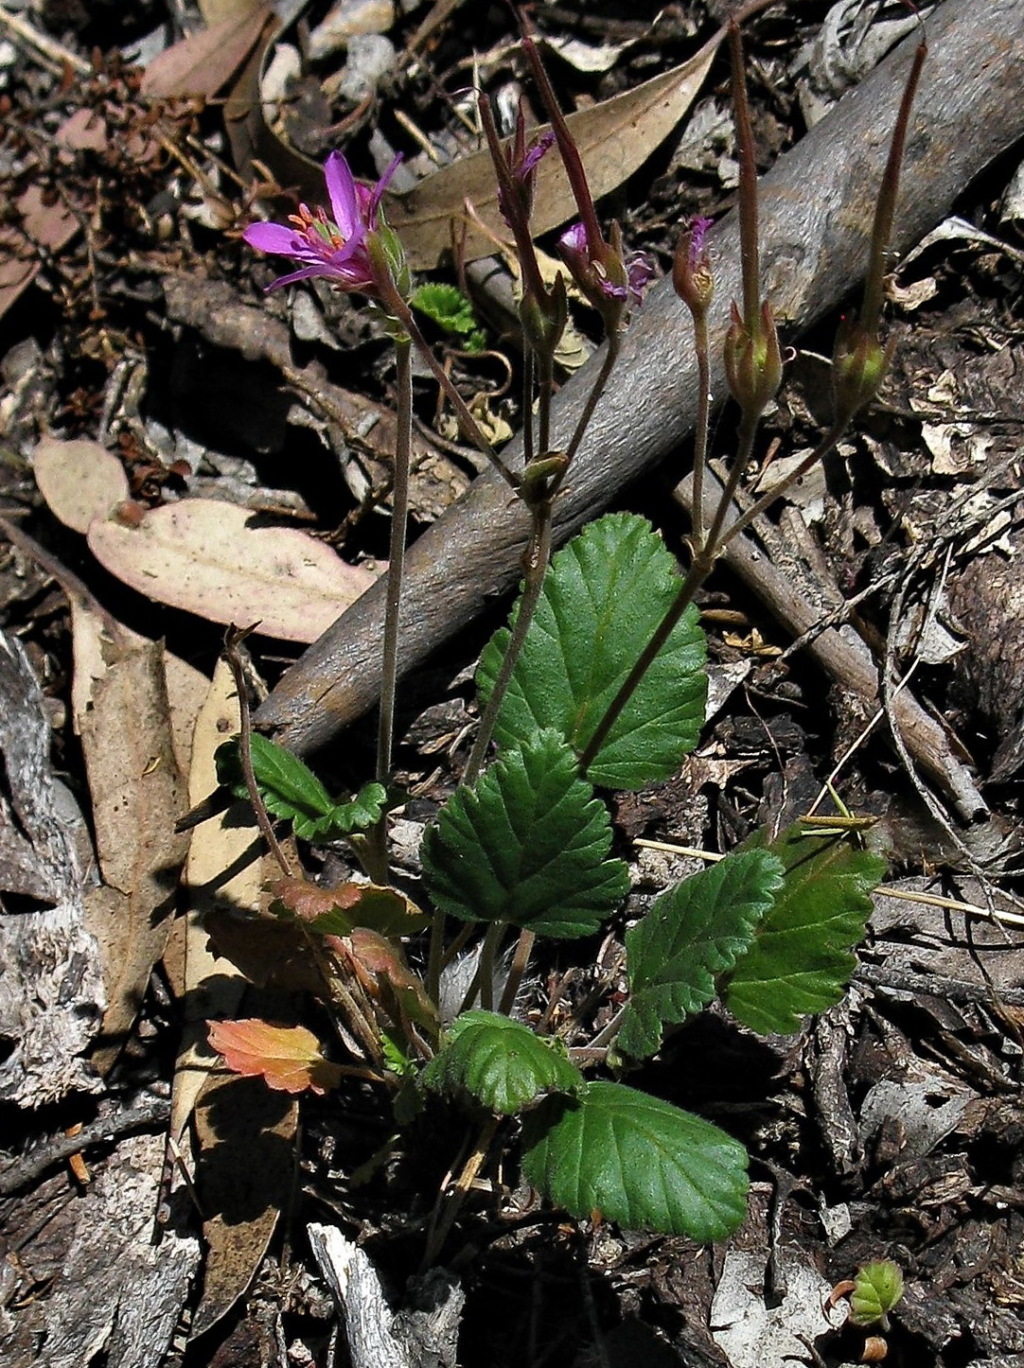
[[859, 365], [543, 320], [753, 361], [691, 268]]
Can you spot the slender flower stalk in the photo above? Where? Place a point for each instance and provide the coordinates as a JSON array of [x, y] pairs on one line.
[[695, 286], [377, 841]]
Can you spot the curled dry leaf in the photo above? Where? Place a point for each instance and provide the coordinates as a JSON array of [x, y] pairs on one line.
[[288, 1058], [337, 911], [203, 556], [79, 480]]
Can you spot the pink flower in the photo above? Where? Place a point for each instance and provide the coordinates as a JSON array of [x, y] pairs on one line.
[[334, 249], [589, 271]]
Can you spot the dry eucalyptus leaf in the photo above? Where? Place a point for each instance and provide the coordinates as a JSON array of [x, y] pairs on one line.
[[245, 1176], [203, 63], [93, 646], [79, 480], [137, 795], [614, 138], [203, 556], [223, 870]]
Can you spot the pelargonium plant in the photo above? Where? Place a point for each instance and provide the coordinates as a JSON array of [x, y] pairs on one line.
[[597, 684]]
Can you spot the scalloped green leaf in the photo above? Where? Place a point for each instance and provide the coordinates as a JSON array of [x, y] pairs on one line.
[[799, 962], [527, 844], [605, 594], [639, 1161], [448, 307], [500, 1063], [692, 932], [360, 812]]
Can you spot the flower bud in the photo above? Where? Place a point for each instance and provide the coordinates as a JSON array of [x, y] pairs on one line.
[[691, 269], [859, 365], [753, 361]]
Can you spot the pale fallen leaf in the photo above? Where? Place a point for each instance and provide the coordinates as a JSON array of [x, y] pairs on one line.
[[245, 1178], [137, 795], [80, 480], [223, 870], [205, 61], [614, 137], [203, 556]]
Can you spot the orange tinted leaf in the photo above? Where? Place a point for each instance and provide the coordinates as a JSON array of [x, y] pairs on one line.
[[288, 1058], [385, 960], [335, 911]]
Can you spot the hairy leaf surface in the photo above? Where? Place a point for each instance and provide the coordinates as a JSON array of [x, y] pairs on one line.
[[639, 1161], [528, 844], [604, 595], [500, 1063], [800, 960], [693, 932]]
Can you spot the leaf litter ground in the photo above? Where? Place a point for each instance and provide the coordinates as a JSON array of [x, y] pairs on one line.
[[892, 1126]]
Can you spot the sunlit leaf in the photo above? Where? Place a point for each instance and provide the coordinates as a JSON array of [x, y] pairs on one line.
[[604, 595], [527, 844]]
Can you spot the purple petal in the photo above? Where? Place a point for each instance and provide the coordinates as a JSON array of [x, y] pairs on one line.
[[574, 240], [307, 273], [344, 195], [272, 237], [380, 187], [535, 153]]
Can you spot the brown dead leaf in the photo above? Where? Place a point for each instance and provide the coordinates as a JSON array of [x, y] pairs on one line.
[[205, 62], [79, 480], [137, 795], [287, 1058], [203, 556], [245, 1137], [336, 911], [614, 138]]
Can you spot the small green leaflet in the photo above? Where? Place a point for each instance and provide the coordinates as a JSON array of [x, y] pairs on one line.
[[800, 961], [692, 932], [638, 1160], [527, 844], [604, 595], [500, 1063], [449, 308], [290, 789]]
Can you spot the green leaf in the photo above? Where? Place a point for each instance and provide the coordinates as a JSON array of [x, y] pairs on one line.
[[603, 597], [500, 1063], [288, 787], [449, 308], [526, 844], [639, 1161], [360, 812], [290, 790], [693, 932], [800, 960]]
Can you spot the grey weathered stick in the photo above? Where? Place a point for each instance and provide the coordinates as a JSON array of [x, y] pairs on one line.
[[817, 208]]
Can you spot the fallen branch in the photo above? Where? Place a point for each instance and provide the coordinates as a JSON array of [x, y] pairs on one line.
[[816, 212]]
